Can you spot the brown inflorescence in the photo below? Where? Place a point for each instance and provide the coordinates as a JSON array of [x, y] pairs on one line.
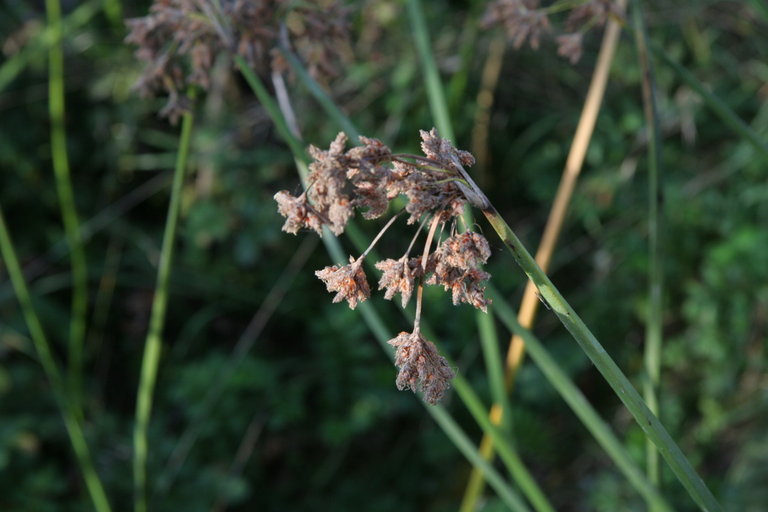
[[348, 281], [179, 40], [367, 178], [399, 276], [522, 20], [421, 366], [527, 21]]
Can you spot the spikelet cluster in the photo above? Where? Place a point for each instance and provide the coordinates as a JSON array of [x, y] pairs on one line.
[[366, 178]]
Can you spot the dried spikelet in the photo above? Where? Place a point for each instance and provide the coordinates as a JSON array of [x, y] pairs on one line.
[[421, 366]]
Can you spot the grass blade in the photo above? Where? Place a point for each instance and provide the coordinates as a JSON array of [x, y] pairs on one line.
[[69, 413], [317, 92], [435, 93], [153, 343], [67, 205], [653, 331]]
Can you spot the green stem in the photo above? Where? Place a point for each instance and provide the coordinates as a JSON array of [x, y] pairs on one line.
[[653, 333], [494, 364], [67, 202], [153, 343], [466, 447], [607, 367], [437, 102], [42, 348]]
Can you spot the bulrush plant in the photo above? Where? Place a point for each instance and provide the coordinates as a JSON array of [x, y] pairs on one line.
[[369, 177]]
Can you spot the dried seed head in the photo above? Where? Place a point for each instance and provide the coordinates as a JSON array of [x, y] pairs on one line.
[[422, 368], [441, 150], [522, 20], [569, 46], [347, 281], [465, 285], [179, 40], [327, 182], [298, 213], [456, 270], [466, 250], [399, 276]]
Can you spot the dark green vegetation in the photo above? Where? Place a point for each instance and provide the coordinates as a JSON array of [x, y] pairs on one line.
[[308, 417]]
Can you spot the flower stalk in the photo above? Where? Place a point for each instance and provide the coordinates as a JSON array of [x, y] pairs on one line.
[[153, 344]]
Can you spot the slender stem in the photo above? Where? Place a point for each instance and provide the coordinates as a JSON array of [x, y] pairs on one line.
[[67, 202], [435, 94], [653, 331], [153, 343], [380, 234], [69, 413], [506, 449], [647, 421], [424, 258]]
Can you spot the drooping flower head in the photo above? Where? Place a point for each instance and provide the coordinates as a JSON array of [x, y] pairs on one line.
[[421, 366], [367, 178]]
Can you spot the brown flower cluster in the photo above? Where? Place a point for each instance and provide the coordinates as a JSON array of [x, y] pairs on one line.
[[368, 177], [527, 21], [422, 368], [179, 40]]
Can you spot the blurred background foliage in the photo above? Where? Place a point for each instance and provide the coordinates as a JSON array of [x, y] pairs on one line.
[[309, 417]]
